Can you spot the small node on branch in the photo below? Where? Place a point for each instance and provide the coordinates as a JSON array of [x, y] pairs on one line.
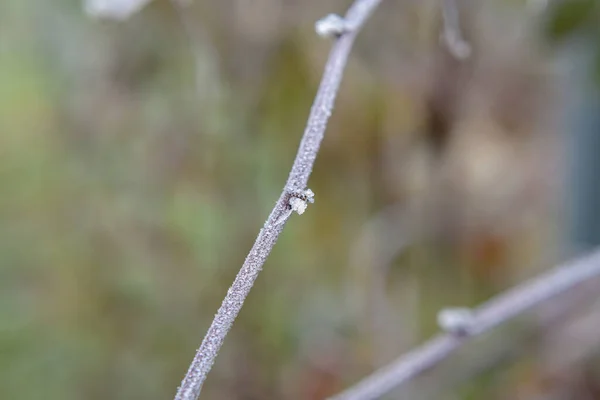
[[298, 201], [331, 26], [457, 321]]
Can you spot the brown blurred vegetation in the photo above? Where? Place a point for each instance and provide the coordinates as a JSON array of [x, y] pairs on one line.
[[139, 159]]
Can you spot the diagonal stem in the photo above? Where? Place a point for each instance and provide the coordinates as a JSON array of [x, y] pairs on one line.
[[496, 311], [298, 178]]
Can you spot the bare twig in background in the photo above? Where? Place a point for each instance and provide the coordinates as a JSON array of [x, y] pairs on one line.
[[451, 35], [296, 183], [553, 316], [484, 318]]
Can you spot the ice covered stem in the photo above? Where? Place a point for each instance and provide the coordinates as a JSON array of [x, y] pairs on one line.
[[298, 179], [298, 201]]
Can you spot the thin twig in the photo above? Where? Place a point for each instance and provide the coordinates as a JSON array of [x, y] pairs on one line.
[[452, 36], [487, 316], [551, 317], [296, 183]]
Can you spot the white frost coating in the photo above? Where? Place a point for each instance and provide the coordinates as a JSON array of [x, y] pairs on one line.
[[113, 9], [299, 200], [294, 188], [456, 320], [310, 195], [331, 26], [298, 205]]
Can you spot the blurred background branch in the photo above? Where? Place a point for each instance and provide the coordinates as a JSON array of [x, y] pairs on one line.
[[491, 314], [452, 36]]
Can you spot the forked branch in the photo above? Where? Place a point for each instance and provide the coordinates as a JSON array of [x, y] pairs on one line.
[[295, 189]]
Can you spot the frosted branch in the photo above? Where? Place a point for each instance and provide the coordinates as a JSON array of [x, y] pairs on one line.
[[487, 316], [296, 183]]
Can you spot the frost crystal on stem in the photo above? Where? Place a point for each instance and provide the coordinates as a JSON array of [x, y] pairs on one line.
[[458, 321], [331, 26], [298, 205], [299, 200]]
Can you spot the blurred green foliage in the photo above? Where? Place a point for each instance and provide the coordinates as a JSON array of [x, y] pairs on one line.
[[570, 17]]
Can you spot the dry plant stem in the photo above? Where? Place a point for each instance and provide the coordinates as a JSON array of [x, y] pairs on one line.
[[297, 180], [487, 316]]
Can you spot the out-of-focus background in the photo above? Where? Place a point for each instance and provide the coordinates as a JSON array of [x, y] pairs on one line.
[[140, 155]]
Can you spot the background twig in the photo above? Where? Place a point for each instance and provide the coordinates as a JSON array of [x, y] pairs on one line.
[[452, 35], [484, 318], [297, 180]]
